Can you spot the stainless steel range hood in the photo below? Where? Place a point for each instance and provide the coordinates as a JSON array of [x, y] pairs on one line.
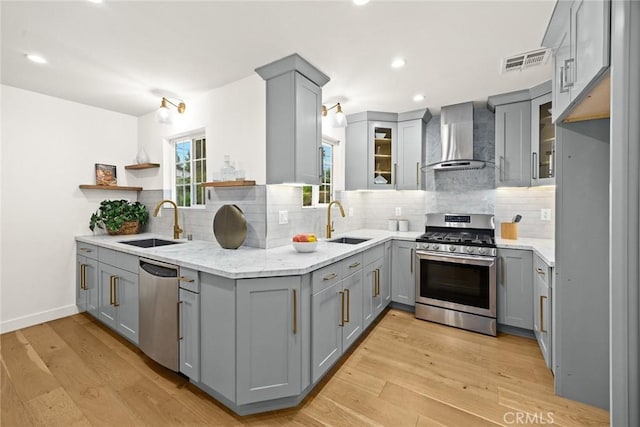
[[456, 132]]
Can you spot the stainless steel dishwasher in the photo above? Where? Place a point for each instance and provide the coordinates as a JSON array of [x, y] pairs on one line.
[[159, 312]]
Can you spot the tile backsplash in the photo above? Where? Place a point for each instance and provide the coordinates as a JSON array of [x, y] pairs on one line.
[[527, 202]]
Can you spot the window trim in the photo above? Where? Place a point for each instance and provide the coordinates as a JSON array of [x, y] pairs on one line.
[[315, 189]]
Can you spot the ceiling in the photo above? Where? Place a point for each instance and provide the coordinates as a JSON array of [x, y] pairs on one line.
[[124, 56]]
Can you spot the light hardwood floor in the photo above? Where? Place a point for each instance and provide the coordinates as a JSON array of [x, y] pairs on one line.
[[404, 372]]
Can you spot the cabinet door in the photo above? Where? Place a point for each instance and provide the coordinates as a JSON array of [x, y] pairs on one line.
[[515, 288], [353, 316], [356, 156], [382, 149], [107, 311], [590, 42], [513, 144], [370, 293], [543, 142], [561, 83], [268, 339], [190, 334], [403, 283], [126, 300], [326, 329], [87, 285], [541, 308], [409, 155], [385, 276], [308, 131]]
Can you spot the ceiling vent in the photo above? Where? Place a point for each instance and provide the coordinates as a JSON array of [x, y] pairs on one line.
[[525, 60]]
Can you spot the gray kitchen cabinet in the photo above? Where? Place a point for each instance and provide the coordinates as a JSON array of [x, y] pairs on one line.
[[513, 144], [87, 280], [356, 155], [294, 121], [372, 302], [542, 277], [385, 277], [543, 142], [403, 282], [579, 35], [411, 140], [118, 300], [515, 288], [382, 170], [189, 329], [268, 339], [353, 315]]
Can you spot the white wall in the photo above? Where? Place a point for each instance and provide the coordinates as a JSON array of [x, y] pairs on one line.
[[234, 120], [49, 147]]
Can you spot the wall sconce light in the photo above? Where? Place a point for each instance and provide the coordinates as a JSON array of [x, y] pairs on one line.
[[339, 120], [163, 115]]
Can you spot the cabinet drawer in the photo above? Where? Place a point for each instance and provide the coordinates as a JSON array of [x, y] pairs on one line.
[[373, 254], [189, 280], [326, 276], [118, 259], [87, 250], [541, 271], [352, 265]]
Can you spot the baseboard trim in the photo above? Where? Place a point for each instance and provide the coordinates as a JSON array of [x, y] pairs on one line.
[[37, 318]]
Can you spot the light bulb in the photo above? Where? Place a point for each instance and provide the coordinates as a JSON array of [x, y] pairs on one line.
[[163, 115]]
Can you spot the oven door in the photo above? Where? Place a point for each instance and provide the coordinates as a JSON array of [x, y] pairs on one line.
[[459, 282]]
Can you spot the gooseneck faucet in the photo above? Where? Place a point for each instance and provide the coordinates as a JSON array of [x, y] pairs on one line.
[[176, 228], [329, 224]]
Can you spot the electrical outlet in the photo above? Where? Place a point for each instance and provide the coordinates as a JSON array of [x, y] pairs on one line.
[[283, 217], [350, 211], [545, 214], [398, 211]]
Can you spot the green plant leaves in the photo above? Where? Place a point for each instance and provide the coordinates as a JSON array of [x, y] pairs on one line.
[[113, 213]]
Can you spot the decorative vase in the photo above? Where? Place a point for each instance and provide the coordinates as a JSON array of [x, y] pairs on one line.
[[142, 156]]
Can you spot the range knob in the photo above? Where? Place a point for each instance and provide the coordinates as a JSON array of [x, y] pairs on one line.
[[452, 248], [470, 249], [425, 246], [435, 247], [482, 251]]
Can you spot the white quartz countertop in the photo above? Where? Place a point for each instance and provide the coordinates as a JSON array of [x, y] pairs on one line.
[[544, 248], [246, 262]]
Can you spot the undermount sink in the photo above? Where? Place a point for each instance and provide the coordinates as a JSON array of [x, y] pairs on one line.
[[348, 240], [150, 243]]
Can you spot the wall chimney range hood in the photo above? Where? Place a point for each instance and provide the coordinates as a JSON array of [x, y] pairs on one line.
[[456, 133]]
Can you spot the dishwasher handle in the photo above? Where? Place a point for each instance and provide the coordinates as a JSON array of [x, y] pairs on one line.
[[158, 270]]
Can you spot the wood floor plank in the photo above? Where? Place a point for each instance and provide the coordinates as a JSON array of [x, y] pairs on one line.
[[13, 411], [56, 408]]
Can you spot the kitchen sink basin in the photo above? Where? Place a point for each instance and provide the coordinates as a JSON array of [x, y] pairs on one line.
[[150, 243], [348, 240]]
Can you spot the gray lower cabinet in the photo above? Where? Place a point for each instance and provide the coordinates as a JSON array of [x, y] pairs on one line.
[[513, 144], [385, 276], [373, 301], [189, 328], [118, 300], [87, 285], [268, 339], [403, 282], [542, 277], [515, 288]]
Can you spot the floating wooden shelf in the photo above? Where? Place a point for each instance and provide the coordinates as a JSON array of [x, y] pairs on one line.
[[228, 184], [109, 187], [143, 166]]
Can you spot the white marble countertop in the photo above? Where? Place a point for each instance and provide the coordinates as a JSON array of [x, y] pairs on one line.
[[246, 262], [544, 248]]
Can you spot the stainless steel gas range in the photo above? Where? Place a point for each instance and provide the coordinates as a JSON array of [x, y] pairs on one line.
[[456, 272]]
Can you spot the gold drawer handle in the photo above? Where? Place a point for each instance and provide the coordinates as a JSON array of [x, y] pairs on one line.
[[86, 250], [186, 279], [330, 277], [354, 265], [539, 270]]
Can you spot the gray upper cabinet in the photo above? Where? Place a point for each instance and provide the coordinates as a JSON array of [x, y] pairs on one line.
[[356, 155], [579, 35], [515, 288], [382, 170], [513, 144], [294, 121], [411, 140], [268, 339], [403, 282], [543, 142]]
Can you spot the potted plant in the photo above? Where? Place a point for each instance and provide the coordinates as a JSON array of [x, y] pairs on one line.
[[119, 217]]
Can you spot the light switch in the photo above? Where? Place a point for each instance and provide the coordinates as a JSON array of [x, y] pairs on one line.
[[283, 217]]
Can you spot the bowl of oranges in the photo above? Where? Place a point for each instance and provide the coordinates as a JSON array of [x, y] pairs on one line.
[[305, 242]]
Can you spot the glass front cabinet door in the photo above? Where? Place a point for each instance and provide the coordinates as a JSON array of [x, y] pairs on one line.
[[543, 142], [382, 155]]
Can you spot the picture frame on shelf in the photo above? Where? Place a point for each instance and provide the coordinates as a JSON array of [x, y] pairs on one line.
[[106, 174]]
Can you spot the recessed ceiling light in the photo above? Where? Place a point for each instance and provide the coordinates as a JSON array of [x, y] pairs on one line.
[[360, 2], [95, 1], [398, 63], [36, 58], [418, 98]]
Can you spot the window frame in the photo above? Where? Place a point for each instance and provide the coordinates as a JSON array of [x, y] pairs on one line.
[[315, 189], [191, 138]]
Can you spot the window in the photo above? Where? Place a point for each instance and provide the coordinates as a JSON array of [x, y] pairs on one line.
[[322, 194], [190, 170]]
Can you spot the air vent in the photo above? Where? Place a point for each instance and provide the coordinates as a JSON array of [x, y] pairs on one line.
[[525, 60]]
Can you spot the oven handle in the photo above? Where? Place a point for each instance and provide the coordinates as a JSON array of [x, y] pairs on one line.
[[474, 260]]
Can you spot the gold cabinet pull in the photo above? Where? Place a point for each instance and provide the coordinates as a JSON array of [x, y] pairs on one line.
[[341, 308], [395, 174], [295, 311], [180, 337], [539, 271], [374, 281], [86, 250], [330, 277], [377, 282], [83, 277], [417, 173], [354, 265], [111, 290], [186, 279], [542, 329], [346, 291], [116, 279], [412, 255]]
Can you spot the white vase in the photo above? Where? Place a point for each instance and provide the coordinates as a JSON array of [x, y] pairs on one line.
[[142, 156]]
